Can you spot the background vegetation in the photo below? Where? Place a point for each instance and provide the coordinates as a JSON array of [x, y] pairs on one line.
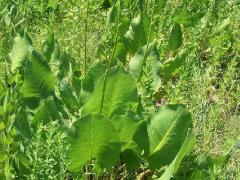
[[208, 81]]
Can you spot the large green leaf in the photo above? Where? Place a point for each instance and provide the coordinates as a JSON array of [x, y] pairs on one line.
[[38, 78], [127, 126], [46, 112], [138, 32], [93, 137], [186, 148], [22, 48], [120, 94], [167, 131], [152, 56]]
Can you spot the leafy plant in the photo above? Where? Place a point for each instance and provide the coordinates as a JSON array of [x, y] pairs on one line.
[[107, 130], [61, 120]]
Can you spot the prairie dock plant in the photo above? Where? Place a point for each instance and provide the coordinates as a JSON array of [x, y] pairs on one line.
[[119, 89]]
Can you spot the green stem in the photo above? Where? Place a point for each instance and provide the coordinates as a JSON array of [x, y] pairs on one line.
[[111, 58], [148, 42], [85, 38]]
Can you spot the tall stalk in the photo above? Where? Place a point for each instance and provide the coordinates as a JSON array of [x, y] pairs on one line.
[[86, 37], [111, 58], [148, 42]]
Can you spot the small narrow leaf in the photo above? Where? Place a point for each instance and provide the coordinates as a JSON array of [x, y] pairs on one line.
[[160, 4], [2, 125], [53, 4], [175, 38], [111, 16], [223, 25], [51, 48], [170, 68], [3, 156]]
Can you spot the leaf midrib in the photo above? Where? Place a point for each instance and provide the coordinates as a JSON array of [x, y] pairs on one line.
[[164, 140]]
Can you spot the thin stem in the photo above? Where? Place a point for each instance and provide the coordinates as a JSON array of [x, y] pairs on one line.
[[111, 58], [85, 38], [148, 42]]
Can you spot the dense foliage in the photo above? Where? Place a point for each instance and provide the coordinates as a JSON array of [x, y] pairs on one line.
[[68, 117]]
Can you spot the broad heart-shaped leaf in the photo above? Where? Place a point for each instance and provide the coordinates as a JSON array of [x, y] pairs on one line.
[[127, 126], [22, 48], [170, 68], [152, 55], [38, 78], [186, 148], [138, 32], [175, 37], [167, 131], [46, 112], [93, 137], [120, 94]]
